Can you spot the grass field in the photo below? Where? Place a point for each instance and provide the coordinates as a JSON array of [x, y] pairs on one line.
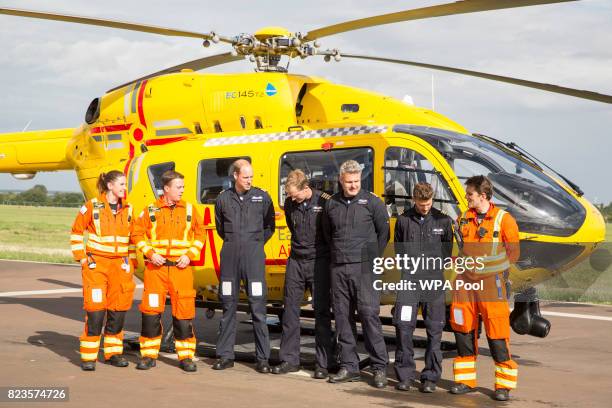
[[36, 233], [43, 233]]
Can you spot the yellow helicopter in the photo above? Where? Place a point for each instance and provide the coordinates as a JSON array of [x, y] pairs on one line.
[[199, 124]]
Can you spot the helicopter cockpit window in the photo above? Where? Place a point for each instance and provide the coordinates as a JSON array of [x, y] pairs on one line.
[[538, 203], [214, 176], [323, 167], [155, 173], [404, 168]]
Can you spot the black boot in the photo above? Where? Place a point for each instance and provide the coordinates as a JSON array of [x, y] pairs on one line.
[[284, 368], [403, 386], [88, 365], [222, 364], [502, 394], [263, 367], [428, 386], [344, 375], [188, 365], [380, 379], [460, 388], [146, 363], [118, 361], [321, 373]]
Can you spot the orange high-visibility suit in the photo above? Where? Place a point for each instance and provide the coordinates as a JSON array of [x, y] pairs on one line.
[[170, 232], [496, 240], [108, 287]]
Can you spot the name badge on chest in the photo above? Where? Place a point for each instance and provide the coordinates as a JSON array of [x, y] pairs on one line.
[[362, 201], [257, 199]]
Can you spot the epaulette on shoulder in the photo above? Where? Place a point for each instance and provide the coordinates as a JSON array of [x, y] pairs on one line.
[[373, 194], [325, 196], [259, 188]]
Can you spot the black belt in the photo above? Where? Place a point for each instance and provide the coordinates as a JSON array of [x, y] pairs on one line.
[[170, 263]]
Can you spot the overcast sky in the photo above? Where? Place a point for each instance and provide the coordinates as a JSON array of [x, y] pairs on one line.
[[50, 71]]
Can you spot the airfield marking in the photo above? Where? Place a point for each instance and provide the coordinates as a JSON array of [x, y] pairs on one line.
[[46, 292], [40, 262], [577, 316]]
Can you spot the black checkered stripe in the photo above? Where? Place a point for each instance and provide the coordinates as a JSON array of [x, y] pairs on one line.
[[304, 134]]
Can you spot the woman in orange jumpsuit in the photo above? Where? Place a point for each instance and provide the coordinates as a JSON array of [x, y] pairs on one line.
[[106, 257]]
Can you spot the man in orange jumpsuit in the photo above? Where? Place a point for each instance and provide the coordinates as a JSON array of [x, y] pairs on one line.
[[490, 234], [170, 234]]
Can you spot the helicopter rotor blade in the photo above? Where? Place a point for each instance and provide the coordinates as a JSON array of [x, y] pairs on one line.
[[196, 65], [449, 9], [578, 93], [111, 23]]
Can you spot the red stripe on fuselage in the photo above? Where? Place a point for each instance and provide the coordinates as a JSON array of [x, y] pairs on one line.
[[140, 106], [111, 128]]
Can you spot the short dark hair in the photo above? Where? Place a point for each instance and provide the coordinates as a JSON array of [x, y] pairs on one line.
[[422, 192], [170, 175], [481, 184]]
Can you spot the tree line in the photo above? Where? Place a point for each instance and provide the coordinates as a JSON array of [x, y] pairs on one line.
[[38, 195]]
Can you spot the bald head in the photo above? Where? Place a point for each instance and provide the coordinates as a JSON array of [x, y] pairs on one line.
[[243, 175]]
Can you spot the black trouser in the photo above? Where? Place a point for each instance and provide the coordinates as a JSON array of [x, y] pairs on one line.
[[246, 262], [405, 317], [302, 274], [352, 290]]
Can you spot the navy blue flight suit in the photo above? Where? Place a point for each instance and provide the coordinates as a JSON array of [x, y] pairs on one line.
[[429, 236], [245, 222], [357, 230], [308, 266]]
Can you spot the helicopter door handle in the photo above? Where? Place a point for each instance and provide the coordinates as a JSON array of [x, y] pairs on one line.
[[295, 128]]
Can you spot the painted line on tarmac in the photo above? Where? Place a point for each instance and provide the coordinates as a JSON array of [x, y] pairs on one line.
[[46, 292], [40, 262], [577, 316]]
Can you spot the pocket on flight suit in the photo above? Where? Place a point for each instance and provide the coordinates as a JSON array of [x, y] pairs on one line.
[[185, 304], [405, 314], [94, 298], [497, 321], [461, 319], [152, 302], [124, 301]]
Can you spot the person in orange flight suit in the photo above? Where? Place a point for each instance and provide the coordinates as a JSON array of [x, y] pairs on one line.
[[492, 234], [108, 287], [170, 234]]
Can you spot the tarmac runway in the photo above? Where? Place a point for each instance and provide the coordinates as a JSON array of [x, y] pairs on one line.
[[42, 316]]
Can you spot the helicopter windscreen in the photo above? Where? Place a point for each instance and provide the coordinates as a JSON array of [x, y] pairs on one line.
[[536, 201]]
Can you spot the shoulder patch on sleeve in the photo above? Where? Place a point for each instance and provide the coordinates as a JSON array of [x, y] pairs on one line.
[[83, 209]]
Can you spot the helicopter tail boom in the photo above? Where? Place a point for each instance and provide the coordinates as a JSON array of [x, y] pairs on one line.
[[25, 153]]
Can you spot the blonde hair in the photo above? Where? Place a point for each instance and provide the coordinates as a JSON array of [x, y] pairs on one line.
[[297, 179]]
